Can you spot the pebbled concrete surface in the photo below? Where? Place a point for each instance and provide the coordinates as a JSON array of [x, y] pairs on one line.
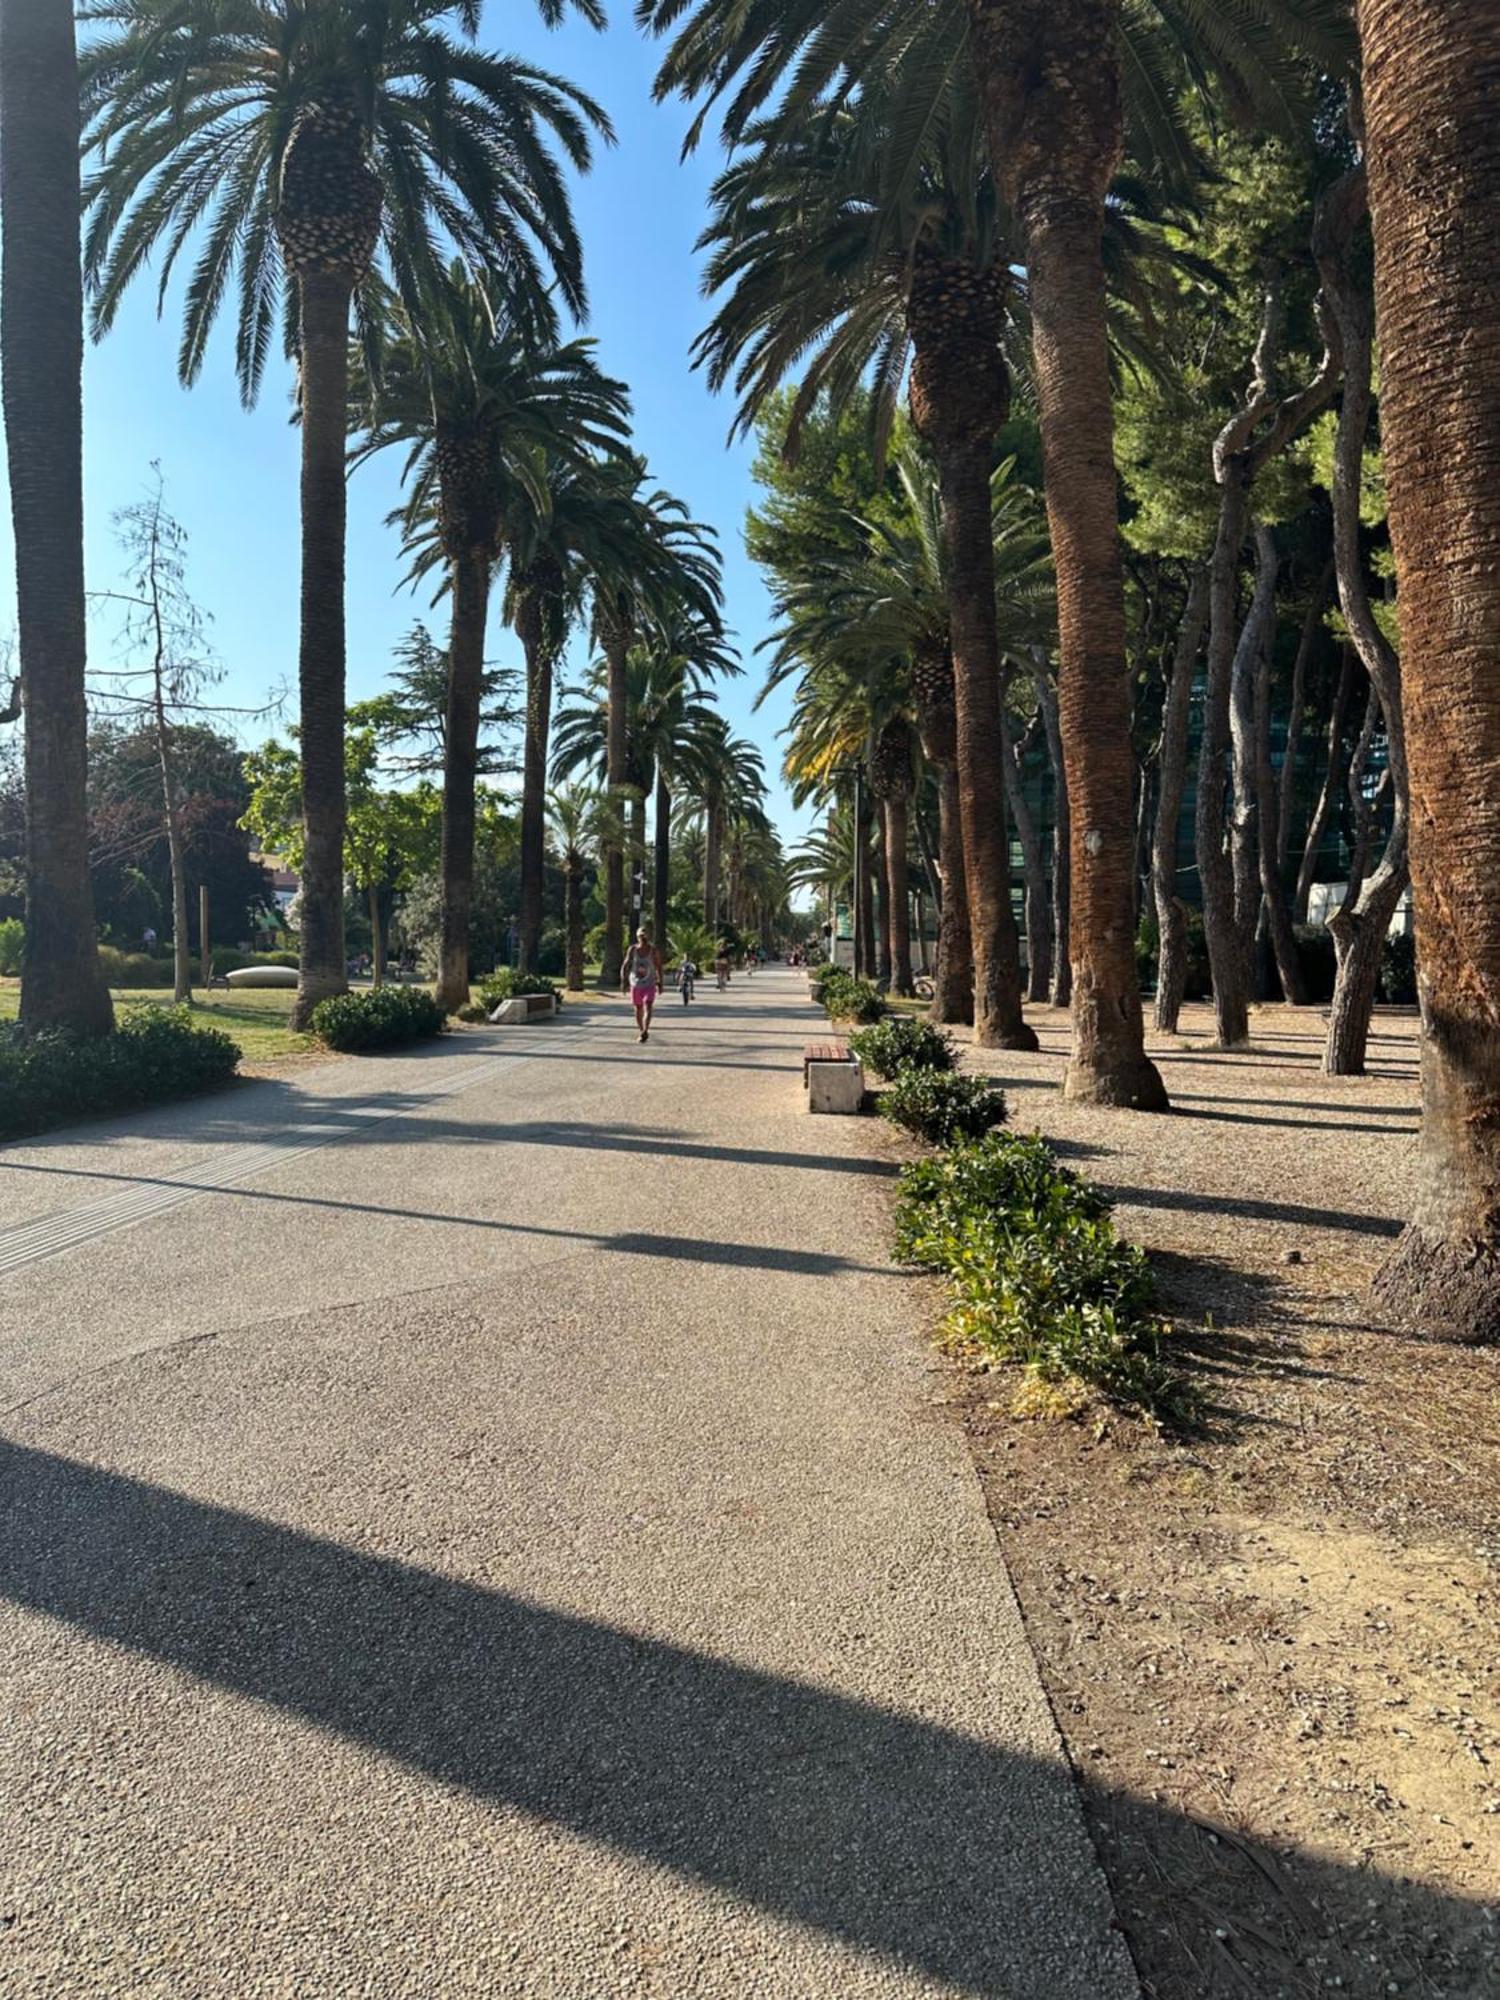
[[509, 1550]]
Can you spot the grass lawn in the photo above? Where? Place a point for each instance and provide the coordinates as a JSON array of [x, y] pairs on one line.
[[255, 1018]]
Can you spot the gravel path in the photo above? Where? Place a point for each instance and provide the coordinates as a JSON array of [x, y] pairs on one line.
[[479, 1523]]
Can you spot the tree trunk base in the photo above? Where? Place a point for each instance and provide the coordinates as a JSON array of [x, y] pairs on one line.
[[1132, 1086], [308, 996], [1007, 1038], [1439, 1288]]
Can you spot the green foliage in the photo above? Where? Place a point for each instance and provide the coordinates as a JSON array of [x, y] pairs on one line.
[[848, 999], [358, 1022], [1199, 973], [902, 1043], [943, 1109], [506, 983], [134, 969], [155, 1054], [473, 1011], [1036, 1273], [12, 946]]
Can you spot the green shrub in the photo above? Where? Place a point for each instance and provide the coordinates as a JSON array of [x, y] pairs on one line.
[[357, 1022], [942, 1109], [134, 968], [473, 1011], [225, 960], [846, 999], [1398, 969], [156, 1053], [12, 946], [1036, 1273], [1147, 946], [903, 1043], [507, 983]]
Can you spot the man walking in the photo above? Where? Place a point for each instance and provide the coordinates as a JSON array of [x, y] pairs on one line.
[[643, 977]]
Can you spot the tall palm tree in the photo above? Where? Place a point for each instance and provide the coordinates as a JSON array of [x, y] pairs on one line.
[[296, 148], [41, 357], [574, 812], [668, 566], [823, 263], [1057, 80], [1430, 76], [673, 716], [727, 775], [474, 397]]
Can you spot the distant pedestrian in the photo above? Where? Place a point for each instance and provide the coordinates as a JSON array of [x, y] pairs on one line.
[[687, 976], [643, 977], [721, 969]]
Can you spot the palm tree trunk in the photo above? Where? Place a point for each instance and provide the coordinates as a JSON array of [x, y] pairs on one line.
[[617, 759], [41, 349], [573, 918], [1434, 158], [898, 893], [325, 297], [713, 847], [470, 576], [636, 858], [1062, 962], [1048, 73], [1038, 900], [1171, 917], [953, 983], [533, 780], [662, 884], [864, 896], [882, 900], [964, 476]]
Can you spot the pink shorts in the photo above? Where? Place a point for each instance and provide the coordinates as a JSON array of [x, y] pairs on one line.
[[643, 996]]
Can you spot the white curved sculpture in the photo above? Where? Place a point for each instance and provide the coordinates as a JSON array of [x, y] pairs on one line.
[[261, 975]]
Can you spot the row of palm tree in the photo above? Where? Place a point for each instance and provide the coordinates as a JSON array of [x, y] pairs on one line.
[[387, 201], [918, 183]]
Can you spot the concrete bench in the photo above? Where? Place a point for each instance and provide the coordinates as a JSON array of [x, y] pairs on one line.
[[833, 1078], [525, 1007]]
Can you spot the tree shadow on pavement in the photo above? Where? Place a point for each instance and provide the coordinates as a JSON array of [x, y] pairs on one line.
[[911, 1841]]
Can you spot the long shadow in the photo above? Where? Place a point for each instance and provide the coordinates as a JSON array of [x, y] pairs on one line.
[[1333, 1105], [635, 1243], [877, 1828], [1265, 1211], [1285, 1124], [908, 1840]]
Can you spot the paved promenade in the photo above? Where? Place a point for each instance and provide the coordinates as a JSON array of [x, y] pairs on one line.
[[478, 1523]]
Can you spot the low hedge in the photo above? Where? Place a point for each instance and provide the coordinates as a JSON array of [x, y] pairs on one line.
[[847, 999], [155, 1054], [901, 1043], [1037, 1275], [355, 1023], [507, 983], [135, 969], [942, 1109]]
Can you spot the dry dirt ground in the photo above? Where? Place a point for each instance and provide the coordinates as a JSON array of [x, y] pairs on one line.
[[1274, 1645]]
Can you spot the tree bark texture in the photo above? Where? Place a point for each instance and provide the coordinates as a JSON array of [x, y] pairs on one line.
[[882, 901], [1296, 715], [1171, 916], [662, 877], [1432, 81], [1334, 746], [897, 892], [469, 576], [1250, 652], [1062, 840], [1038, 898], [1048, 73], [953, 980], [617, 760], [41, 357], [533, 779]]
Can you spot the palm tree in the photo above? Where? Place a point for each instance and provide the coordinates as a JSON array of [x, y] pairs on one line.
[[41, 349], [474, 398], [1056, 80], [1434, 168], [818, 253], [671, 719], [668, 565], [296, 148], [574, 811], [727, 776]]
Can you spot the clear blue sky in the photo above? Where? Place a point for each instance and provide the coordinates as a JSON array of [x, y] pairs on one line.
[[232, 476]]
